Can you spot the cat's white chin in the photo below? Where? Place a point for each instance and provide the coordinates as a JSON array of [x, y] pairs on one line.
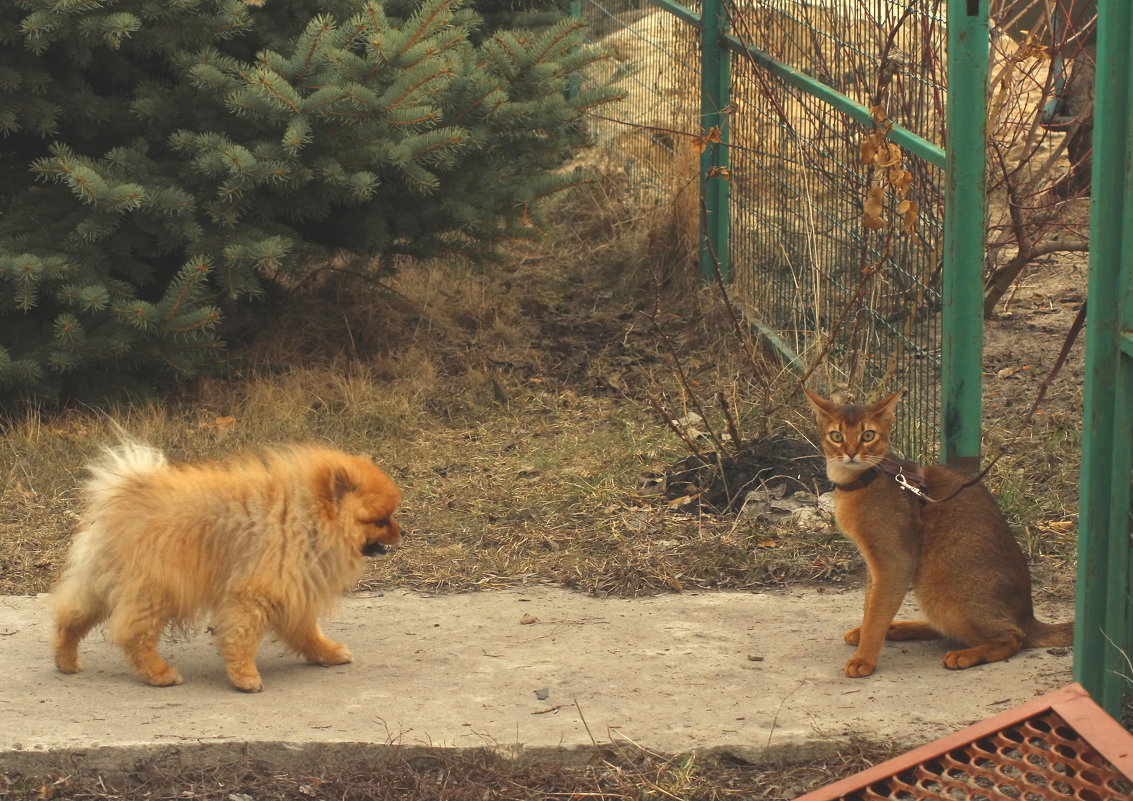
[[843, 471]]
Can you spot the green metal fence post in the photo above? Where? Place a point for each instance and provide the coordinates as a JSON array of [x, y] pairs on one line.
[[1103, 641], [964, 225], [715, 96]]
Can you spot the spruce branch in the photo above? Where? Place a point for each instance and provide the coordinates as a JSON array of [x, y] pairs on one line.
[[186, 285], [430, 17], [564, 36], [316, 31]]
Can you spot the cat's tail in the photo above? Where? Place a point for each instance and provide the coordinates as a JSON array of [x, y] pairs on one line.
[[1049, 635]]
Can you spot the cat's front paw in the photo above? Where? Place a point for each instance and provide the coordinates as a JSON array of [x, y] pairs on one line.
[[858, 667], [853, 636]]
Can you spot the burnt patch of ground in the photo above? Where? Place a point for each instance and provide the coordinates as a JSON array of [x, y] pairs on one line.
[[778, 464]]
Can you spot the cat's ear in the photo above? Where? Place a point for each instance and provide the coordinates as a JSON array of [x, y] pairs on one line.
[[887, 405], [820, 404]]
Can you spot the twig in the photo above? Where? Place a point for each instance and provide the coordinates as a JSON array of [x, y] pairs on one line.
[[1071, 335], [685, 383], [775, 720], [656, 404], [733, 429]]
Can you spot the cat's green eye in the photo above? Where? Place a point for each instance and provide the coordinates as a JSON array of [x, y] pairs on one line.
[[836, 436], [868, 436]]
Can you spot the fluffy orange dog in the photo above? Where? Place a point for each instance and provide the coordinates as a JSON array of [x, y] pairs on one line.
[[260, 542]]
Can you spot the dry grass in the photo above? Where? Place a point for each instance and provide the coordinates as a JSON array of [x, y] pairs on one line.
[[614, 774]]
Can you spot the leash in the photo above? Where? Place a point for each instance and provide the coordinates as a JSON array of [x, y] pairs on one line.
[[909, 477]]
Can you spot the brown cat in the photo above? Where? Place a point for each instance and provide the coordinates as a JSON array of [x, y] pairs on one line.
[[954, 548]]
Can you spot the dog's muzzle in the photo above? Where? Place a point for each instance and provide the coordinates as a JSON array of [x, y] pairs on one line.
[[374, 549]]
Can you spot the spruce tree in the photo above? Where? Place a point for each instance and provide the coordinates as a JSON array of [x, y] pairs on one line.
[[161, 160]]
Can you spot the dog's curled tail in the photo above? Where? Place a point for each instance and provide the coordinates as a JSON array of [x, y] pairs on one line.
[[1049, 635], [119, 462]]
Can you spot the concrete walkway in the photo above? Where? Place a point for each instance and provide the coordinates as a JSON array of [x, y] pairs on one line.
[[754, 675]]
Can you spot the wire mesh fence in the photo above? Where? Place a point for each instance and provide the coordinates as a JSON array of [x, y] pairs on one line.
[[862, 302], [867, 302], [654, 56]]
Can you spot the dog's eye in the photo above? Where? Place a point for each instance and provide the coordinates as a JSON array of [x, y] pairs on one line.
[[381, 522]]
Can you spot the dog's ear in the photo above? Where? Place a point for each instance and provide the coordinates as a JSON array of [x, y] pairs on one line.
[[334, 484], [341, 484]]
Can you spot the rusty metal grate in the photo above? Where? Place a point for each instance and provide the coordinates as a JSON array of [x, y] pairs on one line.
[[1059, 746]]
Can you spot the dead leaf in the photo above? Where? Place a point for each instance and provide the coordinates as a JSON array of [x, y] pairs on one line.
[[910, 217], [684, 500], [900, 179], [867, 150], [909, 209], [873, 208], [888, 155], [528, 619], [219, 425]]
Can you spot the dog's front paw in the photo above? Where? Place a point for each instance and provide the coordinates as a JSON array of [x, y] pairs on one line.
[[332, 653], [859, 667], [249, 685], [164, 677], [245, 680], [68, 664]]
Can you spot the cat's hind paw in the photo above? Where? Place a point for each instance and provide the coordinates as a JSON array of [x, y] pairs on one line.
[[995, 651], [853, 636], [961, 660]]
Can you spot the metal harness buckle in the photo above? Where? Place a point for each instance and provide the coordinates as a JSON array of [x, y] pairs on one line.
[[905, 484]]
